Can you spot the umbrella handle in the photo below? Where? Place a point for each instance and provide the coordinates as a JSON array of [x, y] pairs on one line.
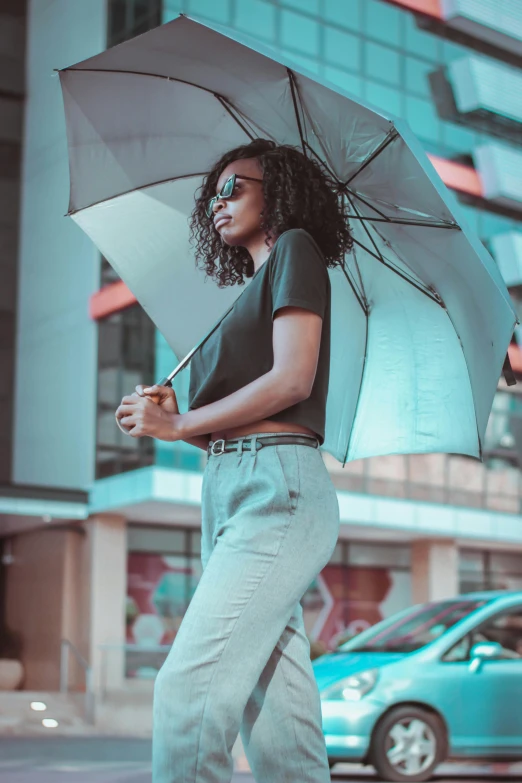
[[166, 381]]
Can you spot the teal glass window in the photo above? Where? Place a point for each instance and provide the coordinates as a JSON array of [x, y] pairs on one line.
[[307, 6], [256, 18], [342, 49], [416, 76], [300, 33], [422, 118], [344, 14], [382, 63], [384, 98], [383, 21], [420, 43]]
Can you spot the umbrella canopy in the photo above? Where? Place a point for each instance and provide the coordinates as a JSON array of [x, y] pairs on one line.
[[421, 318]]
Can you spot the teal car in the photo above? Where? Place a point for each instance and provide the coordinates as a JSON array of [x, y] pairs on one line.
[[439, 681]]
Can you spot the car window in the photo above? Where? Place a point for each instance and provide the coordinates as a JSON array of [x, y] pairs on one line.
[[415, 629], [504, 628]]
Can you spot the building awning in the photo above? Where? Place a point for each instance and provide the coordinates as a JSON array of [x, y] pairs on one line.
[[500, 169], [483, 85], [24, 507], [498, 22]]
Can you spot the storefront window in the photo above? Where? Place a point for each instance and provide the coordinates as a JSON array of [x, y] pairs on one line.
[[362, 584], [486, 570], [163, 571]]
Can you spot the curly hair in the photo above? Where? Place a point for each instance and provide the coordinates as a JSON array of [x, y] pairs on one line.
[[298, 193]]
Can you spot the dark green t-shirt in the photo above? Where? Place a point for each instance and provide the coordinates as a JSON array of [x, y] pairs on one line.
[[240, 350]]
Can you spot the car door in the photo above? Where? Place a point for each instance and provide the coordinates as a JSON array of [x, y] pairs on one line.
[[486, 705]]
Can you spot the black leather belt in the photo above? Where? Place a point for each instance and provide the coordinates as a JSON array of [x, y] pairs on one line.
[[224, 446]]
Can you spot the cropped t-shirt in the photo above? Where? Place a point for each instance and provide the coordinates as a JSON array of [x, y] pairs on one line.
[[240, 349]]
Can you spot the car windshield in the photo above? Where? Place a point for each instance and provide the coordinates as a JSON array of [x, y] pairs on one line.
[[414, 629]]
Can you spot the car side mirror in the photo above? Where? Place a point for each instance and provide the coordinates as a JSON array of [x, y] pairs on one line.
[[484, 651]]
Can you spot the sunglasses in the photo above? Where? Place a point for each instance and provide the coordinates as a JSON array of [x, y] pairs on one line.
[[227, 190]]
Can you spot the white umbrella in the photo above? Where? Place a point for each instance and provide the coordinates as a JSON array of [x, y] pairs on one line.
[[421, 318]]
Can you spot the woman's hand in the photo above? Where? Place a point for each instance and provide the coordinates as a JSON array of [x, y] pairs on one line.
[[165, 396], [141, 416]]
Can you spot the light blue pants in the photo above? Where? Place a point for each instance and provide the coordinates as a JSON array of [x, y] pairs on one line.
[[240, 662]]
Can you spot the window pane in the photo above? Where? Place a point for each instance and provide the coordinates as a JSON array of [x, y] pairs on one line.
[[384, 555], [506, 562], [149, 539], [506, 630], [384, 98], [300, 32], [256, 18], [422, 117], [417, 73], [343, 14], [471, 560], [382, 21], [342, 49], [382, 63]]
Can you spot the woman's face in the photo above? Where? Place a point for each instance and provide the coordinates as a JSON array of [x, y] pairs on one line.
[[237, 219]]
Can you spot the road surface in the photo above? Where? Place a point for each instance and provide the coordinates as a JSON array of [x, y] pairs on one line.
[[121, 760]]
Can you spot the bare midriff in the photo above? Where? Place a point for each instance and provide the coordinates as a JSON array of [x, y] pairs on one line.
[[264, 425]]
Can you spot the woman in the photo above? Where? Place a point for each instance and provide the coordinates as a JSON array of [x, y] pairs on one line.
[[240, 662]]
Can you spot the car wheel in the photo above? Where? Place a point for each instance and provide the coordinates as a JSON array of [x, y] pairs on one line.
[[407, 745]]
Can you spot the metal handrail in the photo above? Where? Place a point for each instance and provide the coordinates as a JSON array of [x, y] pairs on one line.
[[65, 646]]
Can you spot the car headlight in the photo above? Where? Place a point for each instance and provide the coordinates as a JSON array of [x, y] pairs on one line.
[[351, 688]]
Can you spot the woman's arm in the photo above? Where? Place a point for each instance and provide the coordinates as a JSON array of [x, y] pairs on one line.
[[265, 396], [296, 340]]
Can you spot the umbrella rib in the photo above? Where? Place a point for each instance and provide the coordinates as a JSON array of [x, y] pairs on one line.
[[392, 134], [359, 273], [217, 95], [437, 224], [402, 221], [140, 73], [433, 295], [133, 190], [228, 106], [365, 228], [295, 99], [392, 266], [368, 204], [362, 300]]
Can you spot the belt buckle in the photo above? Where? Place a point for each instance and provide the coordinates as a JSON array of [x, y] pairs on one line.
[[215, 453]]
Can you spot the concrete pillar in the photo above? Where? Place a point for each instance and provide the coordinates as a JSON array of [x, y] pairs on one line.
[[434, 569], [108, 588]]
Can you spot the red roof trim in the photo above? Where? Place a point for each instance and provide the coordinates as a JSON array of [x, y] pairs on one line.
[[458, 176], [426, 7], [110, 299]]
